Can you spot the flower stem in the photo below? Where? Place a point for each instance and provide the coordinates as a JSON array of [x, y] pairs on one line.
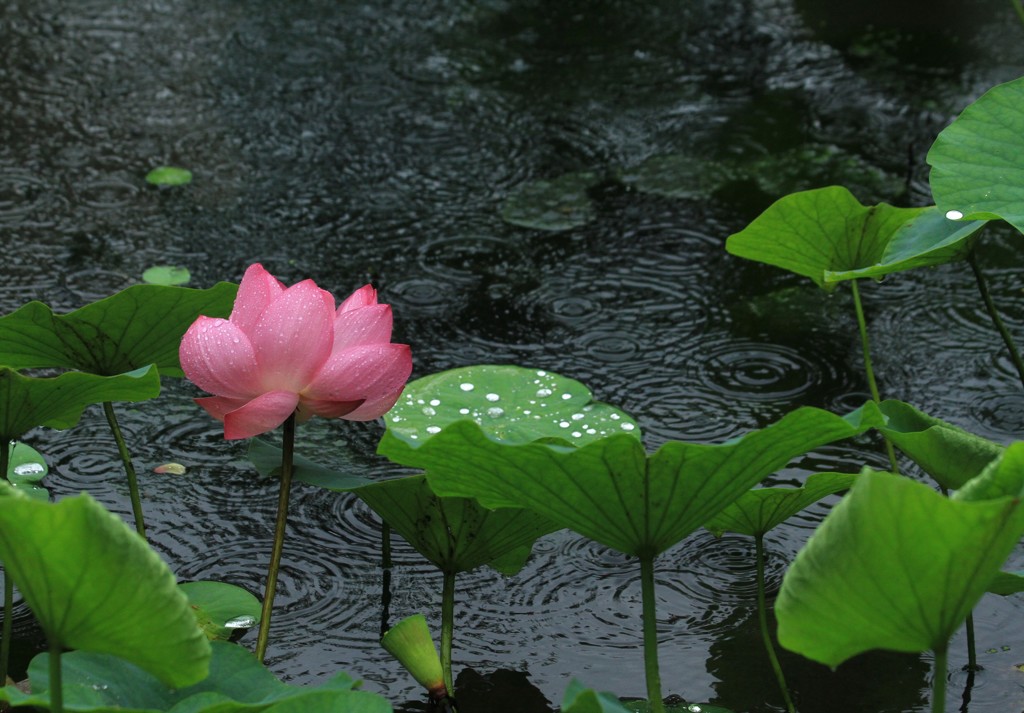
[[1019, 8], [650, 622], [56, 684], [972, 652], [129, 469], [762, 615], [288, 447], [939, 680], [993, 314], [866, 347], [8, 626], [447, 629]]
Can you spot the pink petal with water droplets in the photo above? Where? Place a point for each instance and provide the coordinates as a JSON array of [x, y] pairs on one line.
[[217, 357], [366, 325], [264, 413], [363, 297], [326, 409], [219, 406], [257, 290], [374, 373], [293, 337]]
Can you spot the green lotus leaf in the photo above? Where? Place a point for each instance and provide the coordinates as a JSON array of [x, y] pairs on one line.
[[580, 699], [95, 585], [829, 236], [221, 609], [978, 160], [610, 490], [57, 402], [25, 468], [455, 534], [237, 683], [138, 326], [511, 403], [757, 511], [1003, 477], [1007, 583], [946, 452], [558, 204], [895, 565]]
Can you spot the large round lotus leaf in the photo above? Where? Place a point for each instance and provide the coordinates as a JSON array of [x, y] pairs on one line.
[[827, 235], [978, 160], [896, 566], [95, 585], [559, 204], [511, 403]]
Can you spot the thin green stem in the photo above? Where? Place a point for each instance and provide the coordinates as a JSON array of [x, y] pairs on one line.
[[447, 629], [287, 449], [939, 681], [762, 615], [972, 653], [993, 314], [866, 347], [650, 635], [8, 626], [129, 469], [385, 545], [1019, 8], [56, 683]]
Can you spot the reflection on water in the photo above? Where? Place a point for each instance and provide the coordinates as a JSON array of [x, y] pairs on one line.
[[353, 142]]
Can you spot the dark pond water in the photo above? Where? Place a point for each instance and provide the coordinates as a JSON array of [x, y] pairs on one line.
[[388, 142]]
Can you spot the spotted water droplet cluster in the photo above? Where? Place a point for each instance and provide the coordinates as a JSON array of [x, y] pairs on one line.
[[510, 403]]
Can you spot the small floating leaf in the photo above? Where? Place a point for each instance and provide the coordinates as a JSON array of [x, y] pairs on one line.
[[169, 176], [170, 469], [678, 176], [1007, 583], [167, 275], [559, 204], [222, 608]]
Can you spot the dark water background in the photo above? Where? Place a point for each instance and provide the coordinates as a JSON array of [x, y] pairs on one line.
[[354, 142]]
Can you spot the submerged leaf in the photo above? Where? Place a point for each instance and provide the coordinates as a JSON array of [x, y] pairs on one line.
[[579, 699], [558, 204], [95, 585], [977, 164], [136, 327], [895, 565]]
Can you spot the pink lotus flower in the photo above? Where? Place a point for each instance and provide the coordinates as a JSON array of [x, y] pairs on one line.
[[288, 350]]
